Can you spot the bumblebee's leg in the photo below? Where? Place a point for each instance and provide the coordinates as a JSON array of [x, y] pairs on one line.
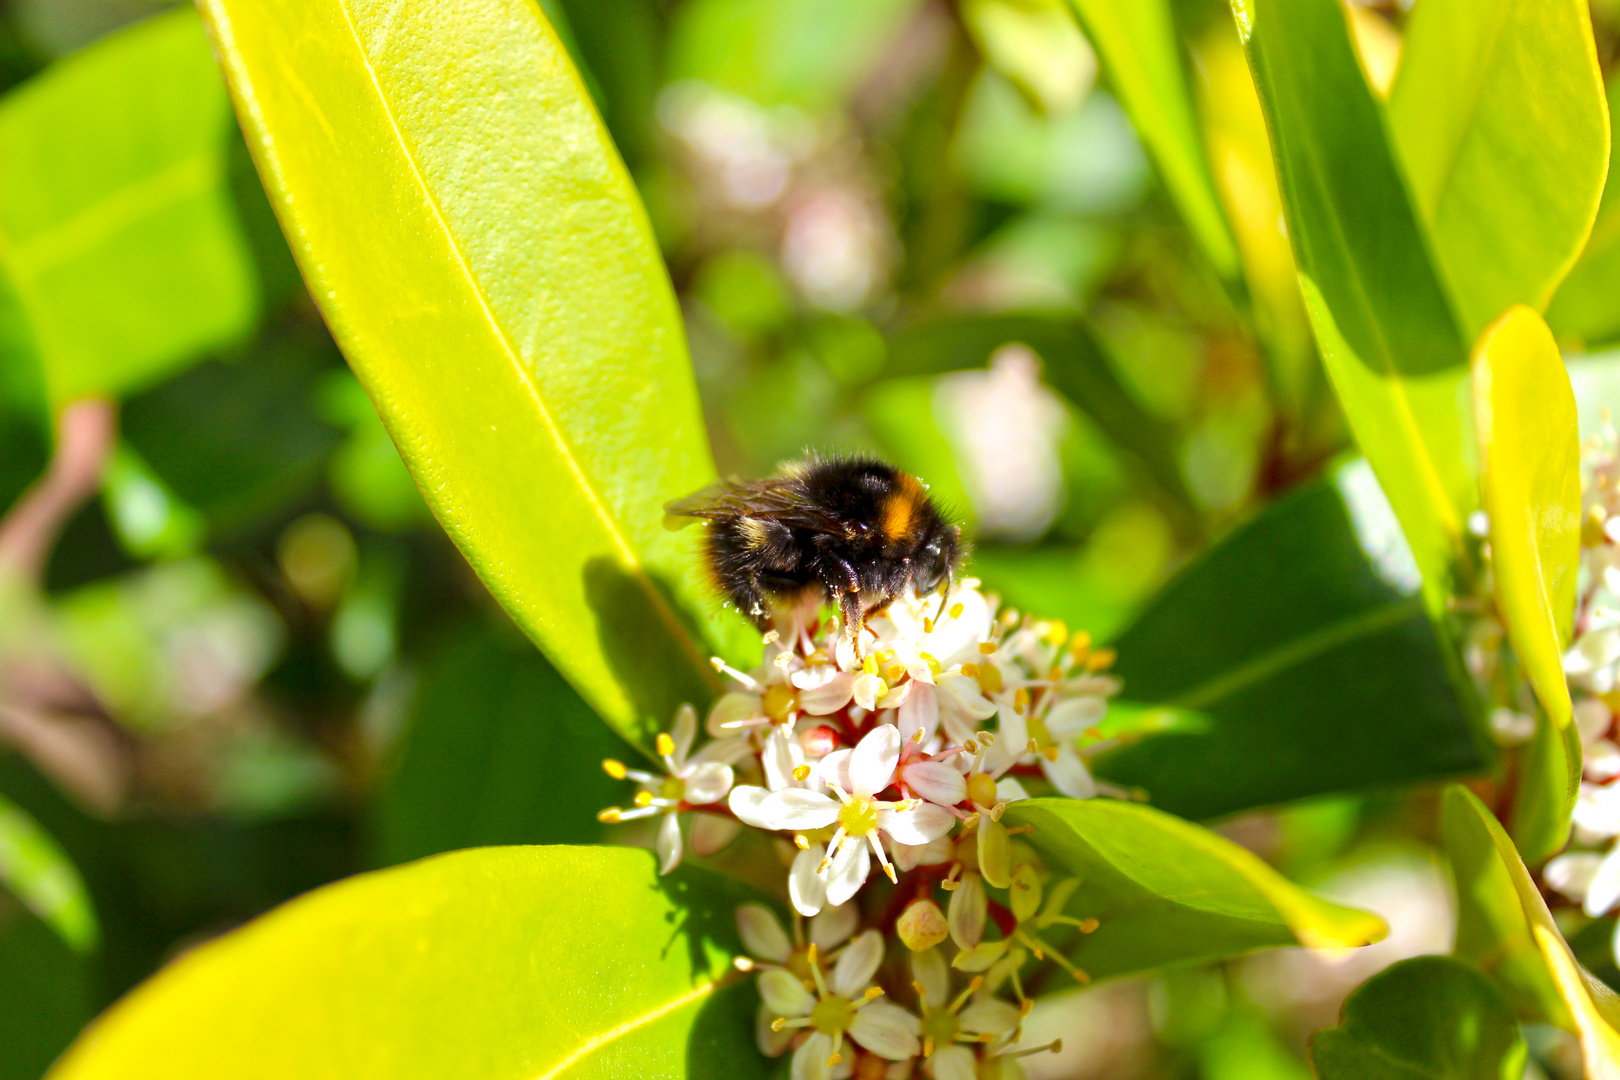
[[852, 616], [751, 601]]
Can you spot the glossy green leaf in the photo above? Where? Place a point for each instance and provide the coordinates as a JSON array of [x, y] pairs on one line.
[[499, 750], [1300, 660], [39, 873], [1382, 320], [1586, 306], [1498, 115], [1165, 891], [1427, 1018], [119, 245], [1075, 365], [1504, 927], [481, 256], [520, 963], [1530, 484], [1140, 55]]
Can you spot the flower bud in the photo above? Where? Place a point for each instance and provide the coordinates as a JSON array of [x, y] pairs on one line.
[[922, 925], [995, 852], [968, 908], [819, 741]]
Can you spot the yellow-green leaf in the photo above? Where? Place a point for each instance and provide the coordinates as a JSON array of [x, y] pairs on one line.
[[1498, 115], [480, 253], [1587, 304], [1141, 57], [119, 247], [1530, 486], [1504, 927], [41, 875], [1383, 323], [491, 964]]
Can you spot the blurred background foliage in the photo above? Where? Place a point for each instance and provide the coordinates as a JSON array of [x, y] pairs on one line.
[[920, 228]]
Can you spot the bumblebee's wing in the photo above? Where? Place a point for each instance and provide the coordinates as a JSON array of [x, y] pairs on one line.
[[774, 498]]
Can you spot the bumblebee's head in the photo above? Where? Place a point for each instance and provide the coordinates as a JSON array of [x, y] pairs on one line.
[[936, 562]]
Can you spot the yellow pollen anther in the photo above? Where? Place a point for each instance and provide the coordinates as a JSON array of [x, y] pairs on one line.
[[950, 885], [931, 660], [1100, 660], [889, 870], [644, 798], [835, 1059], [779, 1023], [810, 952], [893, 674], [869, 665], [971, 670], [1025, 1006], [614, 769], [971, 747], [873, 993], [1021, 700], [801, 841], [666, 745], [956, 610], [928, 625], [742, 963], [1088, 925], [978, 981], [922, 991], [918, 735], [801, 772], [989, 678], [1051, 753], [610, 816], [985, 1037]]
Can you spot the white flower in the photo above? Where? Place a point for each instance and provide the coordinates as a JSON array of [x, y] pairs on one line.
[[847, 1004], [770, 949], [945, 1023], [700, 779], [858, 817]]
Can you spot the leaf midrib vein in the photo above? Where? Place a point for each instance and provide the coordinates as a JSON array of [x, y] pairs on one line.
[[564, 450], [625, 1027]]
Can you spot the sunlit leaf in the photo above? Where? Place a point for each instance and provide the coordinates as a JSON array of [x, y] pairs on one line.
[[1140, 55], [1530, 483], [1498, 115], [39, 873], [119, 246], [482, 964], [1504, 927], [1380, 313], [1298, 659], [1165, 891], [519, 336], [1429, 1017], [1586, 306]]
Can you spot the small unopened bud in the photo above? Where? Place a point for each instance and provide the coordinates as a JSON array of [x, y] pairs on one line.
[[995, 853], [819, 741], [922, 925]]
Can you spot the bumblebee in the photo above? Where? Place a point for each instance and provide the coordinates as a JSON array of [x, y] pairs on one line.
[[854, 529]]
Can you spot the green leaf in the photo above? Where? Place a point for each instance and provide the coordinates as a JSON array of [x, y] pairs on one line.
[[520, 338], [119, 243], [41, 875], [1382, 321], [1587, 305], [1498, 115], [44, 994], [1137, 45], [1165, 891], [1530, 483], [1427, 1018], [1504, 927], [521, 963], [1319, 591], [1076, 366], [499, 751]]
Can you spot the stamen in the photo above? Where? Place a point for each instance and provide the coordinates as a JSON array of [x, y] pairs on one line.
[[929, 659], [801, 841], [611, 816], [971, 670], [666, 745], [771, 637], [988, 648], [835, 1059], [742, 963], [726, 669], [922, 991], [644, 798], [779, 1023], [1021, 700], [1056, 1046], [928, 625], [614, 768], [873, 993], [801, 772], [957, 609], [918, 735]]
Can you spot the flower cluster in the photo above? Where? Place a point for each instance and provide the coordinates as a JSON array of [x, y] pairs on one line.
[[889, 757], [1589, 873]]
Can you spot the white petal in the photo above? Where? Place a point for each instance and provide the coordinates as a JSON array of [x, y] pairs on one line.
[[733, 709], [806, 888], [1601, 762], [848, 870], [745, 801], [908, 856], [1073, 715], [1572, 873], [1593, 718], [1069, 774], [770, 1043], [711, 833], [834, 926], [727, 751], [920, 712], [953, 1063], [1604, 892], [1010, 790], [871, 767], [669, 843], [937, 781], [897, 695], [833, 693], [1592, 651], [867, 690], [834, 768], [782, 754], [934, 975], [990, 1015], [762, 934], [810, 1059], [708, 783], [921, 824], [784, 994], [965, 696], [966, 911], [857, 964], [1012, 736], [796, 808], [1597, 809], [684, 731], [887, 1030]]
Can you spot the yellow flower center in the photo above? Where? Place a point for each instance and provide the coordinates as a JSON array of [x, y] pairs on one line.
[[858, 817], [779, 701], [982, 789], [672, 788], [832, 1015], [941, 1028]]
